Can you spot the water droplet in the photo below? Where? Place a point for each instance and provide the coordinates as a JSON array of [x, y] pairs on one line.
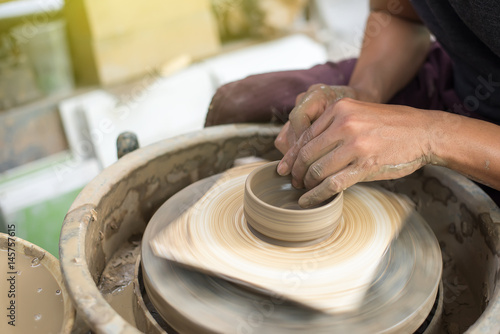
[[39, 290], [38, 317], [58, 292], [35, 262]]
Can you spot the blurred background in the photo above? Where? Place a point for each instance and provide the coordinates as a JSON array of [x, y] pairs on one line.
[[74, 74]]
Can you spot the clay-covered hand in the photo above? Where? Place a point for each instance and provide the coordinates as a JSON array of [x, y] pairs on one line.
[[354, 141], [308, 107]]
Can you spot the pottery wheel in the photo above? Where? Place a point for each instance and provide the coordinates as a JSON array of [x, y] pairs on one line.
[[398, 296]]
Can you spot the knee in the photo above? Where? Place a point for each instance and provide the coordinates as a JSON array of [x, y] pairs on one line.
[[225, 104]]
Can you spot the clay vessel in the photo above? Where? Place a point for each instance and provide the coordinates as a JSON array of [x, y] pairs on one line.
[[272, 211]]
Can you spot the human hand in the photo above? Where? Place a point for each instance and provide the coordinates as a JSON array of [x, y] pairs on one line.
[[308, 107], [354, 141]]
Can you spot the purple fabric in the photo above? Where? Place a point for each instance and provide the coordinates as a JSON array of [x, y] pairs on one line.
[[271, 96], [261, 97]]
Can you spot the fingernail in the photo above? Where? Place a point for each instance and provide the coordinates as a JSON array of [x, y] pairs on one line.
[[282, 168]]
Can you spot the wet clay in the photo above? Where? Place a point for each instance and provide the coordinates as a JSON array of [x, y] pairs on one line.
[[454, 207], [460, 310], [39, 306], [271, 208], [117, 277]]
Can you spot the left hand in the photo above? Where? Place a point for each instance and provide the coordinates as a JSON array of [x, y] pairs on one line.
[[354, 141], [308, 107]]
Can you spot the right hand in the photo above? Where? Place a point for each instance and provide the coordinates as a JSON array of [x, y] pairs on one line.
[[308, 107]]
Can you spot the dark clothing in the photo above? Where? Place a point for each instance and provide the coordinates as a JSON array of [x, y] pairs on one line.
[[263, 97], [469, 31]]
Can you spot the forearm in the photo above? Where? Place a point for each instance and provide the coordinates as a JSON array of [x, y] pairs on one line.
[[394, 47], [466, 145]]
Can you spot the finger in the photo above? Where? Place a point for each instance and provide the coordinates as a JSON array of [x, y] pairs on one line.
[[281, 140], [320, 158], [331, 186], [323, 122], [299, 98], [285, 138], [291, 139], [337, 159], [310, 107], [288, 161]]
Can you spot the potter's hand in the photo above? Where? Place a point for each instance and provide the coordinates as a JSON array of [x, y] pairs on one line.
[[355, 141], [308, 107]]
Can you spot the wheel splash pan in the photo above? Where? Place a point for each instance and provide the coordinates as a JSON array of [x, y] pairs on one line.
[[120, 201]]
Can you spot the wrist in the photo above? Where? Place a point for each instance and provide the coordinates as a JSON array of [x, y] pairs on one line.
[[367, 94], [372, 96], [438, 126]]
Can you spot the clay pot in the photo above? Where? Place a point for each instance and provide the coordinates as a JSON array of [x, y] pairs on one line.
[[271, 209]]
